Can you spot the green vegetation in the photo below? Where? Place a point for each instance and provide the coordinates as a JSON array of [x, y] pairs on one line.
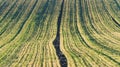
[[59, 33]]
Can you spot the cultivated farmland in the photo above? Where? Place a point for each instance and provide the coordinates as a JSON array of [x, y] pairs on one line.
[[59, 33]]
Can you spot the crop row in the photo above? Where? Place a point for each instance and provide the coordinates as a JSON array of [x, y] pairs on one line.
[[89, 33]]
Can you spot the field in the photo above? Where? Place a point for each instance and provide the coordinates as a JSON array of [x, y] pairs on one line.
[[59, 33]]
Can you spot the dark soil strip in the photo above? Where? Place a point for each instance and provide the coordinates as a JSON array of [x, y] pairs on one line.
[[115, 21], [56, 42]]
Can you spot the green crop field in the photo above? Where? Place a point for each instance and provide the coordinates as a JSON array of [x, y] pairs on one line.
[[59, 33]]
